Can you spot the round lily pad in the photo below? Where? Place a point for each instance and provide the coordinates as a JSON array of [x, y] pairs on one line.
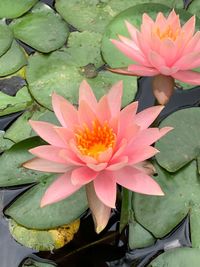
[[110, 53], [42, 29], [6, 38], [11, 170], [160, 215], [43, 240], [27, 212], [10, 9], [179, 257], [56, 72], [12, 60], [95, 15], [182, 144]]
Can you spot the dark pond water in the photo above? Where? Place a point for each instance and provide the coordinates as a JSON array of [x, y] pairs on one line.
[[109, 248]]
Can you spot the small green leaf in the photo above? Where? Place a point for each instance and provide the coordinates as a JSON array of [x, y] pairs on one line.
[[27, 212], [41, 29], [179, 257], [182, 144], [6, 37], [10, 9], [12, 60]]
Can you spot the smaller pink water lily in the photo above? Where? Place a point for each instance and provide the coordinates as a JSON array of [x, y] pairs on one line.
[[164, 49], [98, 146]]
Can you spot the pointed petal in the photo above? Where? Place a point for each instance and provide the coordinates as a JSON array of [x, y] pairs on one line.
[[70, 157], [86, 94], [105, 188], [142, 154], [86, 114], [64, 134], [142, 70], [60, 189], [44, 165], [189, 27], [128, 113], [188, 76], [132, 31], [114, 98], [97, 167], [105, 155], [57, 101], [137, 181], [47, 132], [69, 114], [156, 60], [145, 118], [83, 176], [168, 51], [188, 61], [100, 212], [128, 42], [103, 110], [48, 152], [120, 163]]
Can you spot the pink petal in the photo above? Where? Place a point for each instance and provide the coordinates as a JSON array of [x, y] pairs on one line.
[[188, 76], [114, 98], [97, 167], [168, 51], [105, 155], [160, 20], [146, 117], [86, 94], [83, 176], [100, 212], [64, 134], [128, 113], [118, 165], [132, 31], [128, 42], [142, 70], [121, 147], [47, 132], [130, 52], [70, 157], [61, 188], [57, 100], [192, 44], [188, 61], [189, 27], [103, 110], [44, 165], [69, 114], [129, 132], [105, 188], [146, 20], [142, 154], [156, 60], [48, 152], [168, 71], [137, 181], [86, 114]]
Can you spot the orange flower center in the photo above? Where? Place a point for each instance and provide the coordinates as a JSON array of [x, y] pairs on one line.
[[169, 32], [92, 142]]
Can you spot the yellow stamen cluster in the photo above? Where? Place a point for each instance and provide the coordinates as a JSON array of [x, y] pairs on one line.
[[169, 32], [92, 142]]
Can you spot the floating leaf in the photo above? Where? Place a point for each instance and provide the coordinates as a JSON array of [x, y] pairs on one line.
[[41, 29], [54, 72], [160, 215], [44, 240], [33, 263], [11, 104], [4, 142], [12, 60], [10, 10], [110, 53], [95, 15], [194, 7], [182, 144], [11, 170], [179, 257], [6, 37], [27, 212]]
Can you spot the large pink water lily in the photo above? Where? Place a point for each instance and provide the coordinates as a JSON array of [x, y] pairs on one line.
[[98, 146], [162, 48]]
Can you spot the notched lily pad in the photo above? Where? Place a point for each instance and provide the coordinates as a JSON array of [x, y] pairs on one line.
[[44, 240], [27, 212], [182, 144], [12, 60], [55, 72], [10, 9], [179, 257], [160, 215], [41, 29]]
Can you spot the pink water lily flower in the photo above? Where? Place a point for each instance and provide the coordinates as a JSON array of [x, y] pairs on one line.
[[164, 49], [97, 145]]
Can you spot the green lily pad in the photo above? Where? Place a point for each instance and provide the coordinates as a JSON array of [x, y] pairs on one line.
[[41, 29], [84, 48], [182, 144], [160, 215], [11, 170], [12, 60], [95, 14], [33, 263], [4, 142], [179, 257], [194, 8], [110, 53], [11, 10], [48, 73], [21, 129], [43, 240], [6, 37], [27, 212], [11, 104]]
